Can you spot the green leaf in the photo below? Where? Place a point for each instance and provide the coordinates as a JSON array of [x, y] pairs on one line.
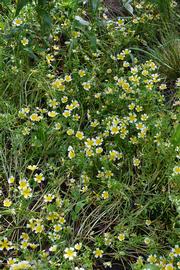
[[95, 5], [77, 209], [30, 53], [21, 4], [128, 7], [176, 136], [76, 194], [2, 26], [79, 206], [45, 19], [81, 20], [93, 41], [74, 216], [151, 267], [6, 2], [42, 2]]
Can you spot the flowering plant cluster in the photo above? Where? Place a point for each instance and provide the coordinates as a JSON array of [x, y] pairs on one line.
[[89, 153]]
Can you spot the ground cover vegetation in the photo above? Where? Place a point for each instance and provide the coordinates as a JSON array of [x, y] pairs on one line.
[[89, 135]]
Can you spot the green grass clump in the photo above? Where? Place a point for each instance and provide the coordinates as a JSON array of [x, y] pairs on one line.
[[88, 148], [168, 55]]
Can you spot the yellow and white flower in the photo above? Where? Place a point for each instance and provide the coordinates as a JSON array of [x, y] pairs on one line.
[[121, 237], [86, 86], [17, 22], [24, 41], [39, 178], [70, 253], [105, 195], [11, 179], [7, 202], [98, 253]]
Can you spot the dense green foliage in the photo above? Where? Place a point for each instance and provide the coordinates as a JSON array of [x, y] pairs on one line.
[[89, 135]]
